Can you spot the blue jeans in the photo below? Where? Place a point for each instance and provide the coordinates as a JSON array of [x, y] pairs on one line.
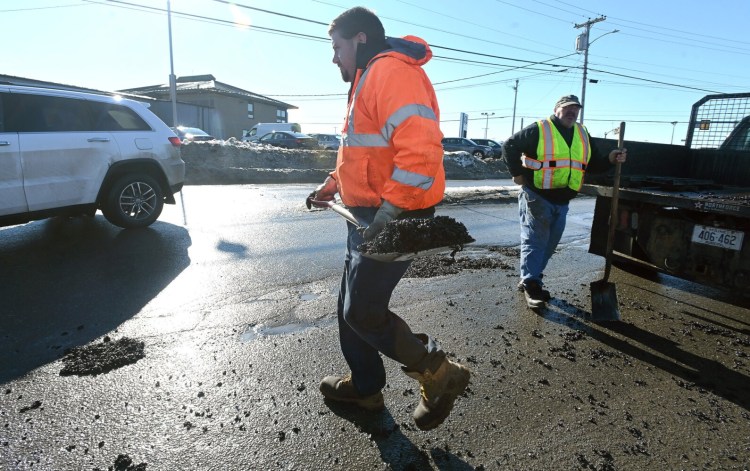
[[367, 327], [542, 226]]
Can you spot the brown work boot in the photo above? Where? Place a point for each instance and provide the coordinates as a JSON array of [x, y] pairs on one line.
[[536, 297], [341, 389], [439, 391]]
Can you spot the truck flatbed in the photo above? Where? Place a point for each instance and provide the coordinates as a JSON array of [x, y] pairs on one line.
[[692, 194]]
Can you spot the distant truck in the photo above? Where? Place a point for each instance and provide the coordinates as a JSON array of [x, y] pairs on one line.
[[685, 210], [260, 129]]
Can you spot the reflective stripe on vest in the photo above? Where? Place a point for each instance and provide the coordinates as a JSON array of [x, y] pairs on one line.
[[558, 165], [383, 138]]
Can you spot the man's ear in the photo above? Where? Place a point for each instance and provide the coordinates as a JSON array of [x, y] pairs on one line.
[[361, 38]]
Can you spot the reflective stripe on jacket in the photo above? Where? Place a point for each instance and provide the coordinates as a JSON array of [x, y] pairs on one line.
[[557, 165], [391, 141]]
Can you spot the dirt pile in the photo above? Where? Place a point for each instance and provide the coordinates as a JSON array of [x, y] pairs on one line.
[[236, 162]]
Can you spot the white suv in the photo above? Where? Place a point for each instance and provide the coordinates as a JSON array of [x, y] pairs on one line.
[[71, 153]]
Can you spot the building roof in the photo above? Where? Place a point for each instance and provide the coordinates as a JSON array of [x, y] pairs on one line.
[[23, 81], [208, 84]]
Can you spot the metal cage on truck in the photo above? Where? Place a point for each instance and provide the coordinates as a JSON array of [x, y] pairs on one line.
[[685, 210]]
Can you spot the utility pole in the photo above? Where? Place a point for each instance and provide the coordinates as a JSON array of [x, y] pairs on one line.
[[172, 78], [582, 44], [515, 97], [487, 125]]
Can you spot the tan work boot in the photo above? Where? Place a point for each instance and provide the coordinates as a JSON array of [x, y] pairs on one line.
[[341, 389], [439, 391]]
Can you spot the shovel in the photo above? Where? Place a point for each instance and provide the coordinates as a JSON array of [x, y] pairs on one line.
[[381, 257], [604, 305]]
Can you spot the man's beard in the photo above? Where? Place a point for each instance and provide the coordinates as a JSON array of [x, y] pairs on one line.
[[345, 76]]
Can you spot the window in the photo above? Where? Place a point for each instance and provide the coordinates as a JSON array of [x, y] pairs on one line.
[[250, 111], [39, 113], [109, 117], [281, 116]]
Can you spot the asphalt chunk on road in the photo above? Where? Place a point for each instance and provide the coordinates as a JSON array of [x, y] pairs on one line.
[[102, 357], [439, 265], [412, 235]]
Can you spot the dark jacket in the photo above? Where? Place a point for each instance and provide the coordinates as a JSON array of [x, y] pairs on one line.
[[526, 140]]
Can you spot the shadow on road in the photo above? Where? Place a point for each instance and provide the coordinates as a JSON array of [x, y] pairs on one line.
[[396, 450], [65, 282], [735, 298], [700, 371]]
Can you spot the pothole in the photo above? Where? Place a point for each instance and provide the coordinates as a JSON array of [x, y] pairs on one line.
[[258, 331], [474, 259], [309, 296]]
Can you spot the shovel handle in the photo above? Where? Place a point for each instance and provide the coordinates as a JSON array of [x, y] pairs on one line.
[[341, 211], [613, 207]]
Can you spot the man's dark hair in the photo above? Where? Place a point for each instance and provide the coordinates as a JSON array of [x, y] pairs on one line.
[[359, 20]]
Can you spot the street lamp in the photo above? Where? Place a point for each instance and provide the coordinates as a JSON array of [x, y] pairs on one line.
[[674, 123], [582, 44], [615, 130], [487, 125]]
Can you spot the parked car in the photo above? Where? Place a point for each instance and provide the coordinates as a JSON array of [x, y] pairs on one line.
[[457, 144], [72, 153], [497, 147], [289, 140], [192, 134], [261, 129], [328, 141]]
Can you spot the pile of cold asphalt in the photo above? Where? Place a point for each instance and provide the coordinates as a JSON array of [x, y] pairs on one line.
[[101, 357], [412, 235]]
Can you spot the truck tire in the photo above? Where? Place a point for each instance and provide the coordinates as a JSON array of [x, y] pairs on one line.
[[133, 201]]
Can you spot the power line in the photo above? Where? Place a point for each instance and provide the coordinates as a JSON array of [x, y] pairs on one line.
[[656, 81], [479, 25], [271, 12], [322, 39], [658, 29], [219, 20], [744, 53], [42, 8]]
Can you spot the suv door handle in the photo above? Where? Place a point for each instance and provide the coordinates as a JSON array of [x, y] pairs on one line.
[[4, 143], [98, 139]]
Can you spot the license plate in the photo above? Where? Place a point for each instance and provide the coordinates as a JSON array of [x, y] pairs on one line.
[[724, 238]]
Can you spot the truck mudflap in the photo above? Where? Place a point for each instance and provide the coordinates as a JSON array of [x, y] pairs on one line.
[[701, 239]]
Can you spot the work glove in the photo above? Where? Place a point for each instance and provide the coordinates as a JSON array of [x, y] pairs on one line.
[[618, 155], [324, 192], [385, 214]]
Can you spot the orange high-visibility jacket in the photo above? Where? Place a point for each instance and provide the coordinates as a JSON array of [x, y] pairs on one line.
[[391, 144]]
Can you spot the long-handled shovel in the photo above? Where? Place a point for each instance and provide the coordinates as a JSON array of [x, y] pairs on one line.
[[604, 305]]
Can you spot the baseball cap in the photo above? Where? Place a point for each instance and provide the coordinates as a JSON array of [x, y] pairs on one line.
[[568, 100]]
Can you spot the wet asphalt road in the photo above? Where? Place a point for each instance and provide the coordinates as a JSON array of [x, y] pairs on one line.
[[234, 301]]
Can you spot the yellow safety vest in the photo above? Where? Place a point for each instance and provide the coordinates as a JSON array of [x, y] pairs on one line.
[[557, 165]]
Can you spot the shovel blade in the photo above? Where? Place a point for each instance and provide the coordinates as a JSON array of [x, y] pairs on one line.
[[604, 305]]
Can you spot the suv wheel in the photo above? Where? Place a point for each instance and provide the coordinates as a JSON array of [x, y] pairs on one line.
[[133, 201], [478, 154]]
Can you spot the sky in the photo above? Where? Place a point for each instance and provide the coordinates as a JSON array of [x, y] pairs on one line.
[[492, 59]]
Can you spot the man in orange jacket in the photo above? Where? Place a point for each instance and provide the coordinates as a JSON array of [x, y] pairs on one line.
[[389, 166]]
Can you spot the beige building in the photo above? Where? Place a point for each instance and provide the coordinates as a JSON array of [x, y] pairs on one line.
[[220, 109]]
